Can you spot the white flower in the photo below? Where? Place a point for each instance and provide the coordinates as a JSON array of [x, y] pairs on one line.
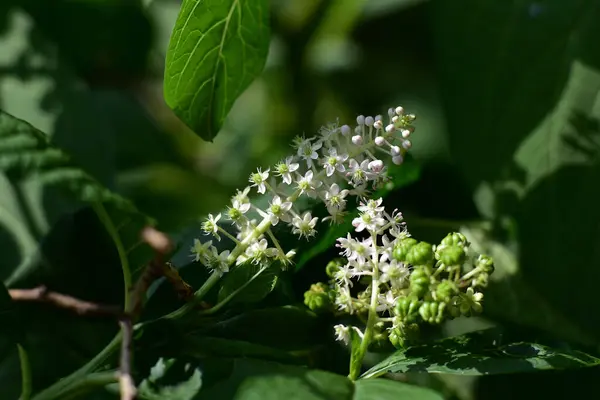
[[211, 227], [237, 210], [344, 300], [284, 169], [372, 206], [335, 198], [386, 301], [307, 184], [258, 179], [344, 274], [259, 251], [394, 272], [201, 251], [355, 250], [219, 262], [342, 333], [241, 197], [334, 162], [304, 226], [358, 173], [278, 210], [369, 221], [308, 151]]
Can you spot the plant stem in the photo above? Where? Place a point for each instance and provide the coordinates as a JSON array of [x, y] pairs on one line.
[[114, 234], [25, 373], [356, 361], [80, 378]]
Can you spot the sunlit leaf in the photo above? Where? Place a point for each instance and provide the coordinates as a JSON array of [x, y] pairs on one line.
[[481, 353], [217, 49]]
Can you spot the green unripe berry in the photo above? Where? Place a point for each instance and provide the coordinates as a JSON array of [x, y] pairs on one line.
[[402, 248], [407, 308], [454, 239], [445, 290], [397, 339], [317, 298], [452, 255], [420, 254], [419, 282]]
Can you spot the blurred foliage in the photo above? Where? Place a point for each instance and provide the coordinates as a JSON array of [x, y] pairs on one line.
[[507, 141]]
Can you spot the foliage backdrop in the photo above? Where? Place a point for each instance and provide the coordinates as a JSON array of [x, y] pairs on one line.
[[507, 146]]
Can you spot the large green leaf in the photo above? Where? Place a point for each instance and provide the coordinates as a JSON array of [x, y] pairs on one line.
[[249, 283], [217, 49], [481, 353], [55, 240], [257, 380], [521, 87]]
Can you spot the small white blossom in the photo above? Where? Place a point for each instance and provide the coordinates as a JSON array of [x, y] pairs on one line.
[[395, 273], [211, 227], [278, 210], [386, 302], [304, 226], [358, 173], [258, 179], [342, 333], [307, 184], [335, 198], [237, 210], [201, 251], [308, 151], [259, 252], [369, 221], [285, 168], [334, 162], [220, 262]]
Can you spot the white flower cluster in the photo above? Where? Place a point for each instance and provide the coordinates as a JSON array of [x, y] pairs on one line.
[[339, 162], [372, 257]]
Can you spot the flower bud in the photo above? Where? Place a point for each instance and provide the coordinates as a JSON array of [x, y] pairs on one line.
[[397, 159], [369, 121], [390, 112], [405, 133], [406, 144], [420, 254], [345, 129], [395, 119], [357, 140], [379, 140], [376, 166], [378, 124], [360, 120], [399, 110], [390, 128], [395, 150]]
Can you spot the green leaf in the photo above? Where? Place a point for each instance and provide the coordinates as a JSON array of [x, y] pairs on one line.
[[374, 389], [481, 353], [50, 236], [249, 283], [289, 328], [171, 380], [402, 175], [521, 84], [217, 49], [249, 379]]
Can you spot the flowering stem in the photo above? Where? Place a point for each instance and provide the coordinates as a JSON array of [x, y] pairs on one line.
[[229, 235], [356, 363]]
